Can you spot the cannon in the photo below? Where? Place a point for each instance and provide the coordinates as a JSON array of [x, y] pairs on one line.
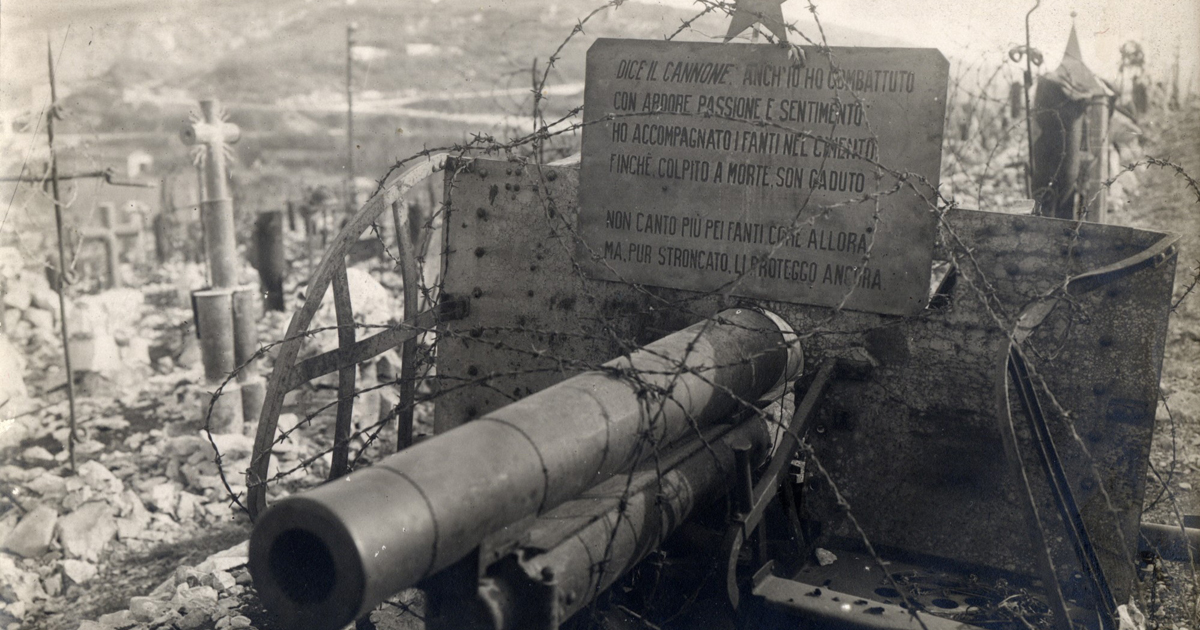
[[925, 471], [332, 554]]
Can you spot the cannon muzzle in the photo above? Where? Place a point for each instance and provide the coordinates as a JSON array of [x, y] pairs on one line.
[[329, 555]]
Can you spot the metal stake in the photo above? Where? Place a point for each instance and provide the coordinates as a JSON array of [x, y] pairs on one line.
[[350, 196], [62, 256], [537, 114], [1028, 110]]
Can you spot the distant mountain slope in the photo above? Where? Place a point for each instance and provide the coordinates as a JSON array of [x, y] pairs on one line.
[[264, 52]]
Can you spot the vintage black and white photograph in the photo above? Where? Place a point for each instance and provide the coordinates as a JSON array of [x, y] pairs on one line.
[[599, 315]]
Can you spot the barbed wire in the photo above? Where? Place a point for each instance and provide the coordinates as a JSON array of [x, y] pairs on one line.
[[654, 397]]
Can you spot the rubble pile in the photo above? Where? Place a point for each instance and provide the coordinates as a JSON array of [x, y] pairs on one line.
[[203, 596], [146, 479], [986, 170], [125, 499], [985, 177]]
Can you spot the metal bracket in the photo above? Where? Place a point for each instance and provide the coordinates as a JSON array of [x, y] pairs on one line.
[[768, 485]]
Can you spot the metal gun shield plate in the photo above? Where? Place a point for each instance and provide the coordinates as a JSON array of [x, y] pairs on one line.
[[915, 445]]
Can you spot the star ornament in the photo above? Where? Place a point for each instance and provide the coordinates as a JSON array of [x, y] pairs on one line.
[[769, 13]]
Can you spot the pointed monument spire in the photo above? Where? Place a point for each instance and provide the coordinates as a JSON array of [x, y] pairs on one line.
[[1073, 74], [1073, 42]]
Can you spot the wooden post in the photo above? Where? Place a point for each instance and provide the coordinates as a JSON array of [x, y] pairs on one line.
[[162, 236], [408, 353], [109, 234], [272, 264]]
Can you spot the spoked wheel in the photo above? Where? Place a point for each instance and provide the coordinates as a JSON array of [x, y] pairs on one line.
[[288, 374]]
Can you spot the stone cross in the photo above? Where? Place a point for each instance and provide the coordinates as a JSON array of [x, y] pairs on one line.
[[226, 312], [214, 133], [110, 235]]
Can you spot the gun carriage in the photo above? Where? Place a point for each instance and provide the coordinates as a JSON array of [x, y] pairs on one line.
[[990, 446]]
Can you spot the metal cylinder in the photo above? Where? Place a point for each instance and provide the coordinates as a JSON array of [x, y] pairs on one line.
[[224, 412], [321, 558], [247, 310], [589, 561], [254, 394], [214, 319], [1173, 542]]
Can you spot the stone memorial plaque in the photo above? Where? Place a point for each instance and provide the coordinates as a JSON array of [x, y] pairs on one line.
[[732, 167]]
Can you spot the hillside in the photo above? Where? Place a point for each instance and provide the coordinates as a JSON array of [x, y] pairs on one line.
[[426, 74]]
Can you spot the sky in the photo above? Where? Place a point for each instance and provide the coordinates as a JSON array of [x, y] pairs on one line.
[[975, 31], [970, 29]]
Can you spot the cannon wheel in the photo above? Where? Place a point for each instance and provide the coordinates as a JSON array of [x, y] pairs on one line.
[[288, 374]]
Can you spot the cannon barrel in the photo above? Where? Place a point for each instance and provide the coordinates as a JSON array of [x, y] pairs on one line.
[[612, 527], [324, 557]]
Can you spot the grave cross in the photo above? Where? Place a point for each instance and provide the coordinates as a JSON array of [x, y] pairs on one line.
[[109, 234], [214, 133]]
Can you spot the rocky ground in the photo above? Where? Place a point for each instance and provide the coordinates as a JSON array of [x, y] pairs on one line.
[[142, 533], [1168, 201]]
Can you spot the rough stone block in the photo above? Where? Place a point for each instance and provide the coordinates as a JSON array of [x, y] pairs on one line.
[[12, 366], [17, 296], [49, 485], [97, 352], [42, 320], [100, 478], [85, 532], [78, 571], [37, 456], [31, 537]]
